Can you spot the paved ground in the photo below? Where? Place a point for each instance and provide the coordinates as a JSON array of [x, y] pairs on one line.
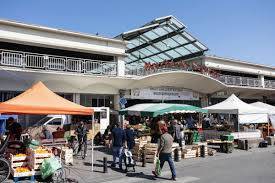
[[253, 166]]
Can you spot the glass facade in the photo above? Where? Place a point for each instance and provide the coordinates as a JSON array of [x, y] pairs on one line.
[[92, 100]]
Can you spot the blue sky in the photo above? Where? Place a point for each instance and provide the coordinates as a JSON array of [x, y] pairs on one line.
[[240, 29]]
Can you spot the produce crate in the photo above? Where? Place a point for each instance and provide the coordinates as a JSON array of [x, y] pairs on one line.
[[190, 152], [227, 137], [21, 174], [150, 151], [67, 155], [17, 162], [36, 159]]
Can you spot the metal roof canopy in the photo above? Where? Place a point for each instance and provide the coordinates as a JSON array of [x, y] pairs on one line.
[[164, 38]]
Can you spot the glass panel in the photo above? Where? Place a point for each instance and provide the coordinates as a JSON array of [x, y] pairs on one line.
[[188, 36], [137, 54], [182, 51], [160, 31], [146, 51], [161, 46], [200, 45], [165, 57], [156, 59], [152, 49], [168, 29], [176, 22], [137, 41], [173, 53], [192, 48], [170, 42], [130, 45], [180, 39], [151, 35]]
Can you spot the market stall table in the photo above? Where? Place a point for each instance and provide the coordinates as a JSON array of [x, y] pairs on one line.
[[225, 146]]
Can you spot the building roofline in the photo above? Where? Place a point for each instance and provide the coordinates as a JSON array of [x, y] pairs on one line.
[[239, 61], [60, 31]]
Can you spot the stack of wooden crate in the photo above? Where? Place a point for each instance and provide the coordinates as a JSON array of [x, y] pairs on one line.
[[174, 147], [20, 161], [36, 159], [199, 147], [67, 155], [211, 152], [189, 152], [138, 149], [150, 151]]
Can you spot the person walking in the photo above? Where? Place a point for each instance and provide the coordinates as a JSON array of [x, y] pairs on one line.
[[81, 133], [178, 128], [165, 151], [118, 142], [130, 137]]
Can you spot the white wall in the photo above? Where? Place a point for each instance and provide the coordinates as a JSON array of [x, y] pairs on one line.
[[54, 39]]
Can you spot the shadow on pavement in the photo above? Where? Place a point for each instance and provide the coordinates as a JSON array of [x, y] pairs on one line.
[[141, 175]]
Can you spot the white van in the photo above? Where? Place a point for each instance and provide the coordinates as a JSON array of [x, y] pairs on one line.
[[102, 116]]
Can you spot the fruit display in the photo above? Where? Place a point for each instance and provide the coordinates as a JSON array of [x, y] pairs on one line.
[[22, 169], [41, 150], [20, 155]]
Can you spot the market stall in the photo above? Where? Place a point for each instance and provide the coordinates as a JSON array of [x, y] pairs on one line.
[[155, 114], [246, 114], [37, 100], [271, 114]]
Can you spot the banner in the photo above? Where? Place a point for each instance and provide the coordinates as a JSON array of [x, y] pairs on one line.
[[164, 93]]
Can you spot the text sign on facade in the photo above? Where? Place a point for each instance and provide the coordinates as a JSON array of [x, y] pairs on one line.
[[165, 93]]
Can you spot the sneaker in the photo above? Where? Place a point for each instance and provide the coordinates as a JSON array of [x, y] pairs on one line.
[[154, 173], [174, 179]]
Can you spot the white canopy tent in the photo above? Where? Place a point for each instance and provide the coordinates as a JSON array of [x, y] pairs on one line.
[[270, 108], [246, 113]]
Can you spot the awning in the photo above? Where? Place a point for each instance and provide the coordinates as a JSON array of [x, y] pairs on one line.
[[156, 109], [40, 100]]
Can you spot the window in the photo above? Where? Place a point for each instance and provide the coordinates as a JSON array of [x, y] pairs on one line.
[[56, 121]]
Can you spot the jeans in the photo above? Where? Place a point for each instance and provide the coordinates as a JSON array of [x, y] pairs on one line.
[[117, 153], [167, 157], [179, 141]]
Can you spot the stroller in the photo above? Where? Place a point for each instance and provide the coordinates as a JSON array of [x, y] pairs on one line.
[[128, 160]]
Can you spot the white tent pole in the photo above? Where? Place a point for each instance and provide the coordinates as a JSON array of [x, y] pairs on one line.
[[93, 131]]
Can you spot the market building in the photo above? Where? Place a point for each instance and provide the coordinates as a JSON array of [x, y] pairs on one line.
[[157, 62]]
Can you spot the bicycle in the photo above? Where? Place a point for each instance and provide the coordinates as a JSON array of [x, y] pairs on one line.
[[75, 144]]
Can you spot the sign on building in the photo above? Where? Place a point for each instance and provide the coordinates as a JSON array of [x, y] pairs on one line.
[[164, 93]]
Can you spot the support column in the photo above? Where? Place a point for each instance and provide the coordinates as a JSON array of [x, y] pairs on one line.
[[116, 102], [120, 66], [76, 98], [262, 80], [205, 101]]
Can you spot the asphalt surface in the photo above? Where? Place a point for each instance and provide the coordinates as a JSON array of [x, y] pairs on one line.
[[253, 166]]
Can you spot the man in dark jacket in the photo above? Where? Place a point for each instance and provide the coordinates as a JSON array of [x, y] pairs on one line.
[[118, 142], [81, 133], [14, 129], [130, 137]]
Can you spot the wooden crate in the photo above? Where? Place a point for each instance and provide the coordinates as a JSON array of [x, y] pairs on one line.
[[36, 159], [150, 151], [21, 174], [20, 161]]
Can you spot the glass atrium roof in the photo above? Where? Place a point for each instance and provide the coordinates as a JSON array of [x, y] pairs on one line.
[[162, 39]]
